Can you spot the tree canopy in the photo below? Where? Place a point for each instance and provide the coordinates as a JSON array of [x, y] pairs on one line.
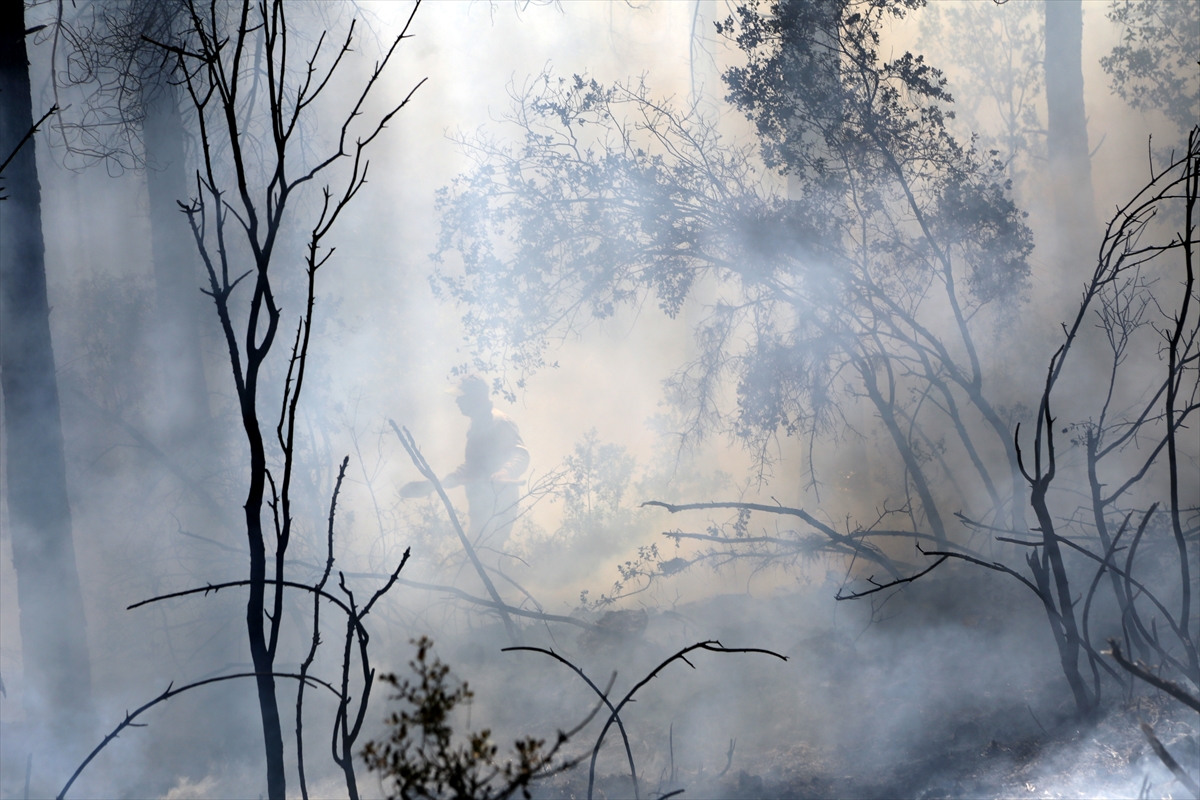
[[867, 278]]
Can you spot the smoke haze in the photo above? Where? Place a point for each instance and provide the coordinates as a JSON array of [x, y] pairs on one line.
[[948, 686]]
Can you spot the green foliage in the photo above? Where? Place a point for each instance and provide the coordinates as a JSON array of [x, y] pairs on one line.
[[1155, 65], [889, 228], [870, 134], [600, 519], [599, 475], [808, 108], [422, 757], [997, 50]]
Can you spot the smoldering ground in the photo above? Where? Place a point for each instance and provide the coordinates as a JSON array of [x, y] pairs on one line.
[[948, 686]]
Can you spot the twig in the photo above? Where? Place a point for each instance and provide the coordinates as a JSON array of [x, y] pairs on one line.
[[728, 758], [356, 631], [671, 743], [514, 610], [316, 637], [879, 587], [28, 135], [1035, 719], [868, 551], [216, 587]]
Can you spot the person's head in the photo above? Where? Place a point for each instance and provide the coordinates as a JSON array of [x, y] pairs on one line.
[[473, 397]]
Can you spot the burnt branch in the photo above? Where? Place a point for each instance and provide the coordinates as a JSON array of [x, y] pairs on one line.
[[316, 636], [1139, 670], [513, 610], [410, 445], [1169, 761], [216, 587], [867, 551], [603, 695], [28, 135], [879, 587], [710, 645], [167, 695], [728, 758], [345, 734]]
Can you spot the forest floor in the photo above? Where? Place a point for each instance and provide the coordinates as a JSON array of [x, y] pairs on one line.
[[952, 690], [1107, 758], [934, 702]]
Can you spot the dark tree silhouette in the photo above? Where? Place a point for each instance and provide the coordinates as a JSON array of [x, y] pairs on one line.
[[245, 192], [131, 117], [53, 626], [1125, 300], [1070, 167]]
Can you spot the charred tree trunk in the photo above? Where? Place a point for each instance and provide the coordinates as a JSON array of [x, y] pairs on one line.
[[176, 282], [53, 629], [1070, 169], [1062, 620]]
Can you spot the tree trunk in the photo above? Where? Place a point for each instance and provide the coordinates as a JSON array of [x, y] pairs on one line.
[[262, 643], [1070, 168], [185, 416], [53, 628]]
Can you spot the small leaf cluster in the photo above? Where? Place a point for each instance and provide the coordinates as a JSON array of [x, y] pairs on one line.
[[423, 759], [1154, 65]]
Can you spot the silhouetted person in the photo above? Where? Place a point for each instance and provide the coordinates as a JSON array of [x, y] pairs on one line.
[[491, 472]]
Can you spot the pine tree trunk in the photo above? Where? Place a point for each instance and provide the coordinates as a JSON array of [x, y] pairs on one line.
[[53, 628], [177, 286], [1070, 168]]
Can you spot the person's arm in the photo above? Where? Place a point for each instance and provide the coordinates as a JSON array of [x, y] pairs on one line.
[[416, 489], [422, 488]]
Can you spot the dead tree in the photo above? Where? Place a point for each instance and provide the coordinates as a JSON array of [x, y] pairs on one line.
[[52, 621], [234, 211], [1145, 265], [344, 734]]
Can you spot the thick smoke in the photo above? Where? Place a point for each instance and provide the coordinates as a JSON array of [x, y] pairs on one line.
[[949, 685]]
